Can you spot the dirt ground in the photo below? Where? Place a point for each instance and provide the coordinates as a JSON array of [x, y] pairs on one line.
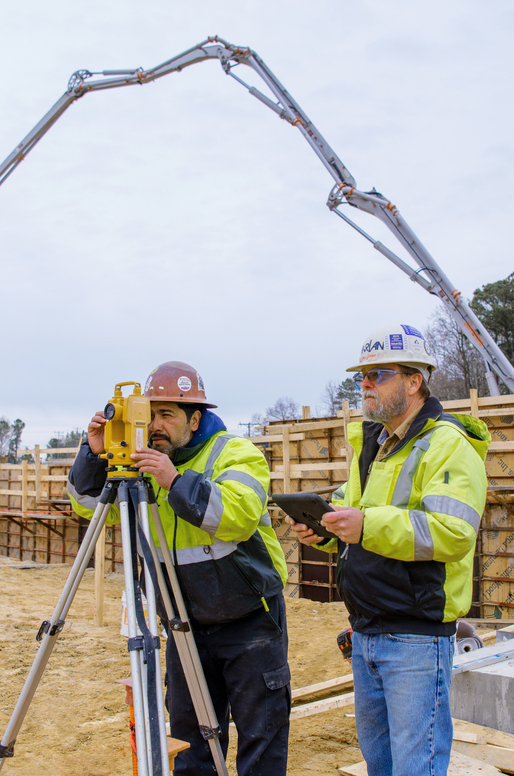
[[77, 723]]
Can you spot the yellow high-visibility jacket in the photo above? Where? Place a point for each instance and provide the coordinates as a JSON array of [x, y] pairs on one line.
[[412, 571], [215, 518]]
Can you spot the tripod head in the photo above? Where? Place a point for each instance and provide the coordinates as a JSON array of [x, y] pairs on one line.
[[127, 428]]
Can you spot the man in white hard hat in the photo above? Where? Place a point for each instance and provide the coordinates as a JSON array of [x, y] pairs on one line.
[[211, 489], [406, 528]]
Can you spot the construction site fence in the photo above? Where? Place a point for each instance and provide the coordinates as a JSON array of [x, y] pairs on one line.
[[304, 455]]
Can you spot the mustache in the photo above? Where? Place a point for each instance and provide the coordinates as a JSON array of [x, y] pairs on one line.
[[156, 435], [370, 395]]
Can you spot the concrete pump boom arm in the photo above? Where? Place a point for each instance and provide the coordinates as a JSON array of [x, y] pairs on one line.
[[344, 192]]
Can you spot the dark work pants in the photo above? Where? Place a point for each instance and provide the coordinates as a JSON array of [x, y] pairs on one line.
[[245, 665]]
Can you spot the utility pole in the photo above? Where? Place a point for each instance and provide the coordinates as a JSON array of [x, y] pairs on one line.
[[249, 426]]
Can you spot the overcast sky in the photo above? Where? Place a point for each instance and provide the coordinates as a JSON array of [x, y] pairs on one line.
[[184, 220]]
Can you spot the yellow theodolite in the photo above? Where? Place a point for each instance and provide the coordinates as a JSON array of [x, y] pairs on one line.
[[127, 429]]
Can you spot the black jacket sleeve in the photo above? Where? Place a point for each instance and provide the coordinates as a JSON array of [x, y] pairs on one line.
[[189, 497], [88, 473]]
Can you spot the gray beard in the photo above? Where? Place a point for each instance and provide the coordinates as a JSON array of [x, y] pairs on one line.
[[388, 409]]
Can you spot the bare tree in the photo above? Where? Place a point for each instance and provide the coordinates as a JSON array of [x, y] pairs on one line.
[[330, 401], [16, 431], [5, 433], [284, 408], [459, 365]]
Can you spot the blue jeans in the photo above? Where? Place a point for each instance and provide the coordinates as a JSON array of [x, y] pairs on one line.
[[402, 707]]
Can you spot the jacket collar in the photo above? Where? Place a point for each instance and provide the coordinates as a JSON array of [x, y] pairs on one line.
[[210, 424], [431, 410]]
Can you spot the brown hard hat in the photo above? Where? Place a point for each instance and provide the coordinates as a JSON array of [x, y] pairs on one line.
[[176, 381]]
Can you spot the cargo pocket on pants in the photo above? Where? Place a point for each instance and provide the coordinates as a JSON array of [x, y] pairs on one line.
[[278, 697]]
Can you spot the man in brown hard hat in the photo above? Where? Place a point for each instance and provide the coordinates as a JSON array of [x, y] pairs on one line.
[[211, 489]]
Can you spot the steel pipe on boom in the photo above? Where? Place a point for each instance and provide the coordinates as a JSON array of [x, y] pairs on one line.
[[428, 275]]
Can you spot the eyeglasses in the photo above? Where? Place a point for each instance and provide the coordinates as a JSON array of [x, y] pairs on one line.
[[376, 376]]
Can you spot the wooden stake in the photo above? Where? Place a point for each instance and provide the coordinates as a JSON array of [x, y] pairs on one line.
[[286, 459], [473, 396], [24, 485], [37, 459], [348, 447]]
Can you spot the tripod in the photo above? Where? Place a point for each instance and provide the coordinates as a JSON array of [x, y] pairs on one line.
[[135, 495]]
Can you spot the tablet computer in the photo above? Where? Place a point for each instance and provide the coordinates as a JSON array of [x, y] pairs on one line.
[[307, 508]]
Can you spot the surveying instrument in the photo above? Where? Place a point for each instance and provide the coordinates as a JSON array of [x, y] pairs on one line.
[[126, 433]]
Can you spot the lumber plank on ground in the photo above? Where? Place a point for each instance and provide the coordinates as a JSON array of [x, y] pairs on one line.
[[327, 704], [330, 684], [460, 765], [357, 769], [486, 734], [493, 755], [490, 637]]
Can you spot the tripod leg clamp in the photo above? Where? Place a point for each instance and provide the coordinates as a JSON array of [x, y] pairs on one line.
[[178, 625], [138, 642], [7, 751], [210, 733], [45, 628]]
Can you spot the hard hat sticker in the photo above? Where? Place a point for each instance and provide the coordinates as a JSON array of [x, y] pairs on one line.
[[148, 382], [184, 383], [201, 386], [412, 331], [396, 342]]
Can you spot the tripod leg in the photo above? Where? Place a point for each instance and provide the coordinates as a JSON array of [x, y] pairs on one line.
[[140, 719], [50, 629], [154, 629], [188, 653]]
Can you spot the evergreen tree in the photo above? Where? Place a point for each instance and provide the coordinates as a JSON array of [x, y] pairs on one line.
[[70, 439], [494, 305], [348, 391]]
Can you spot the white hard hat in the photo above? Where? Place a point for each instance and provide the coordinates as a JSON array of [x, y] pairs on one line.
[[399, 344]]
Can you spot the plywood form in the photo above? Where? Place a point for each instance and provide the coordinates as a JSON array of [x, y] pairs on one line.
[[292, 590], [41, 540], [495, 554]]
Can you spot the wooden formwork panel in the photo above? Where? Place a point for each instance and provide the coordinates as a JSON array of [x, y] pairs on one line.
[[291, 548], [292, 590], [32, 485], [496, 558], [41, 541]]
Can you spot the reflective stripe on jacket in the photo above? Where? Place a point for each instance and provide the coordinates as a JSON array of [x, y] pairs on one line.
[[228, 556], [422, 504]]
